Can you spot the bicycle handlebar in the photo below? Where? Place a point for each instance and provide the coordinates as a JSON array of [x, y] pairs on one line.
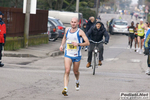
[[96, 42]]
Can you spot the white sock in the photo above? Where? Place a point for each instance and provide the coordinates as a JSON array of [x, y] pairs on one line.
[[77, 81], [66, 87]]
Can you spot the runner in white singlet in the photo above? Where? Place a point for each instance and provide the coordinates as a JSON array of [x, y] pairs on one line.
[[72, 39]]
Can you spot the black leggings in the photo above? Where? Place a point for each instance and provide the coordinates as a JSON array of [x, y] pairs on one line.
[[148, 60]]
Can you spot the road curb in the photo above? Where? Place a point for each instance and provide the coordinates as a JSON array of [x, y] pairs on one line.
[[56, 53], [51, 54], [18, 55]]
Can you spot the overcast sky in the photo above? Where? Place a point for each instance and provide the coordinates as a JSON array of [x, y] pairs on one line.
[[134, 1]]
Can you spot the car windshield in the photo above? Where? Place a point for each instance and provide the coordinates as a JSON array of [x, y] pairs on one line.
[[49, 24], [120, 23], [60, 22], [54, 22]]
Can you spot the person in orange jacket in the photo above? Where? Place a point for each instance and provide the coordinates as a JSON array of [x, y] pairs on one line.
[[2, 36]]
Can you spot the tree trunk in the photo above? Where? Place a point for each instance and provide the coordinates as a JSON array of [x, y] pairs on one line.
[[50, 3], [61, 4]]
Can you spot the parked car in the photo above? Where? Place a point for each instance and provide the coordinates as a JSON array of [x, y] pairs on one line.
[[85, 21], [66, 16], [52, 31], [142, 15], [59, 25], [119, 26]]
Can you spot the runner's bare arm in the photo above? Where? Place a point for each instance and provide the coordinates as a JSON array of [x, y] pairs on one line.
[[63, 40], [86, 43]]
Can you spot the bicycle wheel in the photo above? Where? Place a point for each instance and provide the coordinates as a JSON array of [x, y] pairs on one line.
[[94, 66]]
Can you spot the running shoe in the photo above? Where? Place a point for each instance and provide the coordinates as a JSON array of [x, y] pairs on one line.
[[140, 52], [77, 87], [85, 49], [135, 50], [65, 92], [148, 72]]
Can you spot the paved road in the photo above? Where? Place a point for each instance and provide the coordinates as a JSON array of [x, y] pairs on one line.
[[42, 78], [107, 17]]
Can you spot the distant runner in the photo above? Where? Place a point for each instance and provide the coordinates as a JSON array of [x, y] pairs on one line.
[[135, 36], [141, 35], [131, 30]]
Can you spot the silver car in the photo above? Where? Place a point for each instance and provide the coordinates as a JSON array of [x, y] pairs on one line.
[[119, 26]]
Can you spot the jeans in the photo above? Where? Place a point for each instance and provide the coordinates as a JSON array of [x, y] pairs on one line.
[[91, 48]]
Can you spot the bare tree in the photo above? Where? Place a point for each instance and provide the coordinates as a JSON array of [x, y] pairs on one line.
[[69, 4]]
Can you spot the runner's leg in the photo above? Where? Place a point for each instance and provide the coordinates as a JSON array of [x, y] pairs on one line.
[[138, 38], [76, 73], [142, 43], [76, 69], [135, 40], [68, 63]]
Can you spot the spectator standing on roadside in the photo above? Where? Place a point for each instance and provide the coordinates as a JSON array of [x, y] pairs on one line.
[[131, 15], [2, 36], [84, 29], [89, 25]]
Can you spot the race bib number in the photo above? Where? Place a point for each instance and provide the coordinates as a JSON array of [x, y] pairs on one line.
[[140, 30], [71, 46], [131, 31]]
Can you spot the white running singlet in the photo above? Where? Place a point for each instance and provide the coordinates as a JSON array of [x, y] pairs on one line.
[[70, 50]]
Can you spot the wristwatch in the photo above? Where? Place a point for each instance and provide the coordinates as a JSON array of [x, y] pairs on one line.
[[78, 44]]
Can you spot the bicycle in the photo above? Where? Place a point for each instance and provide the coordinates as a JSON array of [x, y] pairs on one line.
[[96, 52]]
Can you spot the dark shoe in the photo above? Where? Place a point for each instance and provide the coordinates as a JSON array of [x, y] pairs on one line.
[[88, 65], [100, 63], [1, 65]]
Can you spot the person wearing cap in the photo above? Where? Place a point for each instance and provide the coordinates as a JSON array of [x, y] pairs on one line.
[[141, 34], [2, 35], [96, 34]]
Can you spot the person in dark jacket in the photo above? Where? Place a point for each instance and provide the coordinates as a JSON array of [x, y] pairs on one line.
[[89, 25], [2, 35], [96, 34], [84, 29]]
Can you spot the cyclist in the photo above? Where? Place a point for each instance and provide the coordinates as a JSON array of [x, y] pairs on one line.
[[135, 35], [96, 34], [131, 30], [141, 34], [73, 37], [147, 50]]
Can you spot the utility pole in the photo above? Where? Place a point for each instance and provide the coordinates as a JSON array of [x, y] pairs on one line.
[[27, 22], [97, 7], [77, 6]]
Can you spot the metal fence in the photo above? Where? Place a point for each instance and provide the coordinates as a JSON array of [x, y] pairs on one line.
[[14, 20]]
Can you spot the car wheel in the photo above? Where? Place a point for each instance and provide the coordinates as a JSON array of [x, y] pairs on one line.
[[55, 39]]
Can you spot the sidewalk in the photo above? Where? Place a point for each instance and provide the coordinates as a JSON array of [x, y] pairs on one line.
[[40, 51]]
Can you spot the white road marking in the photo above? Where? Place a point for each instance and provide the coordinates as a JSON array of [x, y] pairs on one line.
[[135, 60], [111, 59]]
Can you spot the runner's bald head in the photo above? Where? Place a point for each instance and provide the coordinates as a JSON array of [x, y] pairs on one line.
[[74, 19], [74, 22]]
